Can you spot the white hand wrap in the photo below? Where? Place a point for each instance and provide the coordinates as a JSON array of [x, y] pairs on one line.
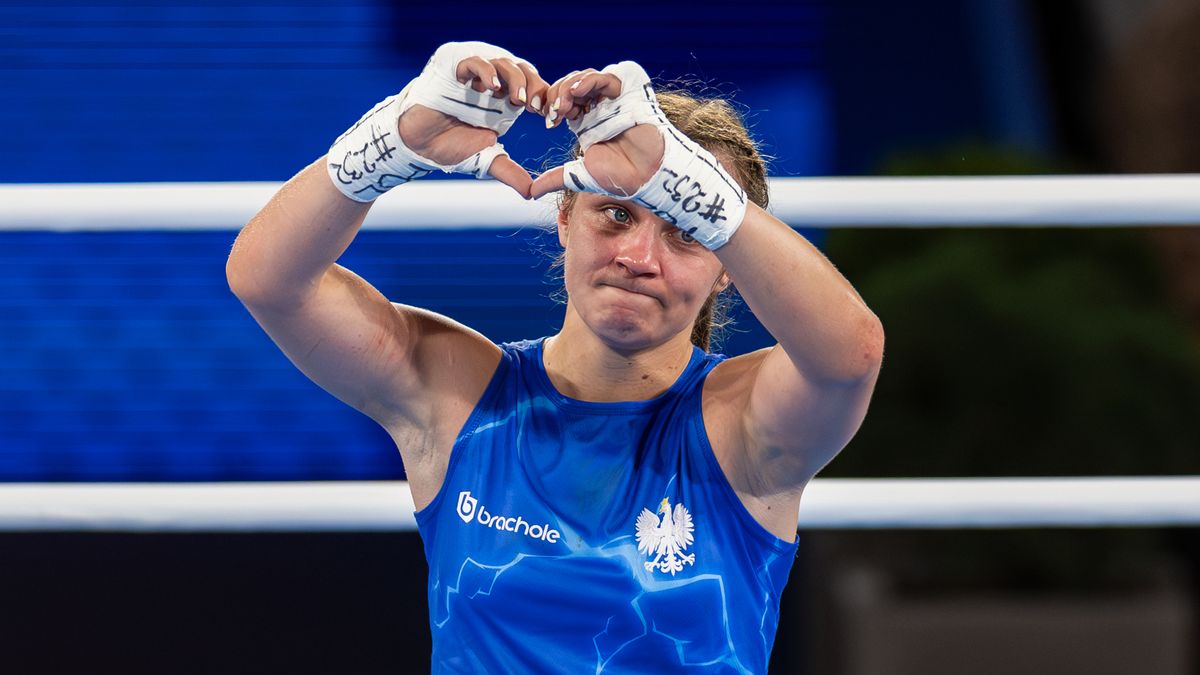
[[370, 159], [690, 190]]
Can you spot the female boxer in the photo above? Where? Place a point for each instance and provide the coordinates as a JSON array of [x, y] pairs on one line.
[[612, 497]]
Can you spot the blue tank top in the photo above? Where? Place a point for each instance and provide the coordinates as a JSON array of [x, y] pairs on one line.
[[573, 537]]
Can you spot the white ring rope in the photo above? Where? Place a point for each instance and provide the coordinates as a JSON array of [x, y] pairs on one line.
[[387, 506], [809, 202], [816, 202]]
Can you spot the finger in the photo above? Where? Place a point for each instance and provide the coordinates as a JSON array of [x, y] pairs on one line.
[[596, 85], [554, 102], [512, 81], [555, 89], [505, 170], [551, 181], [575, 102], [549, 110], [590, 90], [478, 73], [535, 88], [568, 104], [600, 84]]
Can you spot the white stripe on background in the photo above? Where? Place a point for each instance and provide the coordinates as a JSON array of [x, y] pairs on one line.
[[388, 506], [801, 202]]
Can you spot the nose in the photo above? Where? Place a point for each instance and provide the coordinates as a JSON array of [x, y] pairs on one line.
[[637, 251]]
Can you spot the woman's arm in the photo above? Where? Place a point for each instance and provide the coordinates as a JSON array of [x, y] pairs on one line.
[[376, 356], [808, 394], [334, 326], [281, 255], [811, 391]]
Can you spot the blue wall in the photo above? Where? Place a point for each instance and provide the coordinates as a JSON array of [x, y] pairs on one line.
[[123, 356], [220, 91]]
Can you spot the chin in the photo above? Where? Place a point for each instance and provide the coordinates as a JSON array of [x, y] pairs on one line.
[[625, 335], [622, 332], [626, 323]]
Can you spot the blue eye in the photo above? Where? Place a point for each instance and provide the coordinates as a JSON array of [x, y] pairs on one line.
[[618, 214], [687, 238]]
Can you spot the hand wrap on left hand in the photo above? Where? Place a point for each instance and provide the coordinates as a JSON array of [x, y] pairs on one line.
[[370, 158], [690, 189]]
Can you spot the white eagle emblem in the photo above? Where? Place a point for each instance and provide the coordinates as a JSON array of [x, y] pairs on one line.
[[666, 539]]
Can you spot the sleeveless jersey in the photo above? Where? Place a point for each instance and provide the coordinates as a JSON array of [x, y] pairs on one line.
[[573, 537]]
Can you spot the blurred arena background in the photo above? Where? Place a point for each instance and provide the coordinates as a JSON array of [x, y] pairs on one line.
[[1030, 352]]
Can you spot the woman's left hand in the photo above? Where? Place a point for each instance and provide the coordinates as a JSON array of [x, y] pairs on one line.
[[621, 164]]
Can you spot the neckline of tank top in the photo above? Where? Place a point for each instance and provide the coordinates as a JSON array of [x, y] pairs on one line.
[[562, 400]]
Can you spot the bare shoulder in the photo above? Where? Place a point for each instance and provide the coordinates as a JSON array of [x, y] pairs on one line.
[[450, 353], [726, 395], [726, 392], [453, 364]]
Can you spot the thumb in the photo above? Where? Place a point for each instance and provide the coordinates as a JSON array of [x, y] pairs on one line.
[[551, 181], [505, 170]]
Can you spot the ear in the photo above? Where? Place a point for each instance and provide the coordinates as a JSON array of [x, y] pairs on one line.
[[722, 282], [562, 227]]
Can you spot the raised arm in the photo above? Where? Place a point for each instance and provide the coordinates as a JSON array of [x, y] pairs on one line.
[[334, 326], [782, 413], [810, 392], [390, 361]]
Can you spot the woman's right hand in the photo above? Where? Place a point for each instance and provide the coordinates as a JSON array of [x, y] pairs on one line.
[[447, 140]]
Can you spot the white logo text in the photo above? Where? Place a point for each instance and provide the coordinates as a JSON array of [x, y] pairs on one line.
[[470, 509]]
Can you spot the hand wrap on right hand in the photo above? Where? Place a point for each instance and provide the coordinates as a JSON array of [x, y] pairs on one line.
[[690, 189], [370, 158]]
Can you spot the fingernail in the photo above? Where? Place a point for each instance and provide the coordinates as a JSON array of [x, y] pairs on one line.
[[552, 116], [537, 102], [495, 82], [521, 94], [549, 121], [556, 102], [577, 83]]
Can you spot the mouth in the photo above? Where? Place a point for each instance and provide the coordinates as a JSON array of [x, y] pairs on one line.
[[632, 291]]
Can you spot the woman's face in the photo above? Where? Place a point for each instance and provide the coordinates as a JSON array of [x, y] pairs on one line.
[[634, 279]]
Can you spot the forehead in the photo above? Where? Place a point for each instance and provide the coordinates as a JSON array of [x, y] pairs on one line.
[[722, 157], [590, 200], [594, 198]]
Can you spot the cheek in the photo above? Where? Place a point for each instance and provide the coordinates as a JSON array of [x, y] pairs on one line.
[[583, 256], [577, 269], [697, 280]]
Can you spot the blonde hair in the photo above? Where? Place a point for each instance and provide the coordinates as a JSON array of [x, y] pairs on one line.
[[718, 128]]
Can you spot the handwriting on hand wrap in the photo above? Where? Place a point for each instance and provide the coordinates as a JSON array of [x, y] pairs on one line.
[[379, 146], [690, 195]]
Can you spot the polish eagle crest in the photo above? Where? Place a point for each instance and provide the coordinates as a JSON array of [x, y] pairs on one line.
[[666, 539]]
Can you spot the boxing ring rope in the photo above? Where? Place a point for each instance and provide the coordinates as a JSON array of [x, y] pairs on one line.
[[1087, 201], [828, 503]]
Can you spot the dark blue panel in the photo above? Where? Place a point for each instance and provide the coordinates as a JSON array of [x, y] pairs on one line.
[[124, 356], [137, 91], [903, 77]]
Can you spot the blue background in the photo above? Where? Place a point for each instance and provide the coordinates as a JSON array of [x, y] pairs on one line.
[[123, 355]]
